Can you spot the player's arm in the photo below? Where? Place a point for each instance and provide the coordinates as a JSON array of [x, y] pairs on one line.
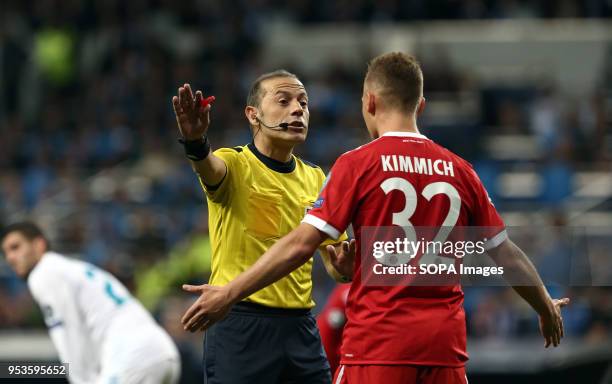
[[518, 269], [193, 121], [287, 254], [526, 281]]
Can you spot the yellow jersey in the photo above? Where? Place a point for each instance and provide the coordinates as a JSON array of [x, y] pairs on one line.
[[259, 201]]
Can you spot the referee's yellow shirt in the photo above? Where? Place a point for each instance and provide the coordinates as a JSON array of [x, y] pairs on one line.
[[259, 201]]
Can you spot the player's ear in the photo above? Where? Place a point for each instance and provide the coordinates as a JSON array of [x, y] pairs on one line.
[[421, 106], [40, 245], [371, 103], [251, 114]]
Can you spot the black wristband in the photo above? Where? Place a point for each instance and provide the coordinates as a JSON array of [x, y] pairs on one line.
[[196, 150]]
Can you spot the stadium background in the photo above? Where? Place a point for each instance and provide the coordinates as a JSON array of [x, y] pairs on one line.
[[523, 89]]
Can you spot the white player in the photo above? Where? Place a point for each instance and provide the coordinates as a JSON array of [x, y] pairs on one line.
[[103, 332]]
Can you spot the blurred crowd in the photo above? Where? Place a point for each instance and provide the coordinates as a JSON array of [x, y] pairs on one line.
[[90, 143]]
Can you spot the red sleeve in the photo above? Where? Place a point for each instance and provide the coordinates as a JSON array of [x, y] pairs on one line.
[[485, 216], [333, 211]]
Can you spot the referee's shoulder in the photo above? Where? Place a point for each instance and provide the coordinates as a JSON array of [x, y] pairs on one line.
[[309, 169], [232, 150], [307, 163], [227, 153]]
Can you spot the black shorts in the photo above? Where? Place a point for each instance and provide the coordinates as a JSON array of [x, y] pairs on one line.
[[257, 344]]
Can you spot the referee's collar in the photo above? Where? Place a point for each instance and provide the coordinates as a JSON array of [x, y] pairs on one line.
[[271, 163]]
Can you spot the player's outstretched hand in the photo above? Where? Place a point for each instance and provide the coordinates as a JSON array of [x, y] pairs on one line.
[[191, 117], [212, 306], [551, 324], [343, 259]]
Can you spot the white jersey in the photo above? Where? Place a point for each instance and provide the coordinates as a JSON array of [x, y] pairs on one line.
[[94, 322]]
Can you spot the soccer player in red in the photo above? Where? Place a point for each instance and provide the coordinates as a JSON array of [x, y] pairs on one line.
[[331, 322], [396, 333]]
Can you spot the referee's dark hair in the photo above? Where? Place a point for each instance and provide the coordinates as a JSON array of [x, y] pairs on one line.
[[256, 94], [28, 229]]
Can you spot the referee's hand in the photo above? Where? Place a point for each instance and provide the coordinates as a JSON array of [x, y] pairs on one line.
[[212, 306], [191, 117]]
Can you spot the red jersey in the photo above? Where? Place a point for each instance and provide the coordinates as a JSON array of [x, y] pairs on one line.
[[403, 179], [331, 322]]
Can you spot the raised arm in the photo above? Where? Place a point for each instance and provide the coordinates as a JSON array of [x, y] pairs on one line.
[[193, 121], [526, 281]]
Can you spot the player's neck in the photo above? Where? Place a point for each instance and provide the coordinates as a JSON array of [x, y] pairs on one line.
[[272, 150], [37, 259], [396, 122]]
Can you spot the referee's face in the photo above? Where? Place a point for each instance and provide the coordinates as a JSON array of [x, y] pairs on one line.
[[21, 254], [285, 101]]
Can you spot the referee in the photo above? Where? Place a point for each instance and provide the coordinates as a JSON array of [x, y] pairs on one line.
[[256, 194]]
